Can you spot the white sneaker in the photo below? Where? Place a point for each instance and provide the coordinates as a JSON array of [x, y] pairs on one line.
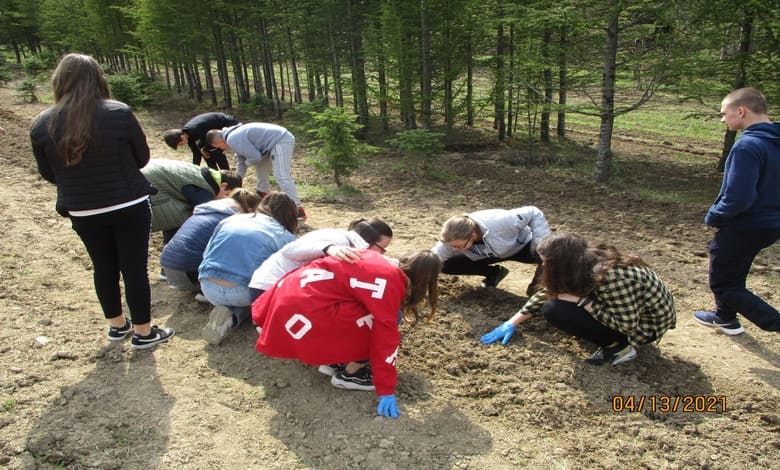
[[624, 355], [329, 369], [201, 298], [220, 322]]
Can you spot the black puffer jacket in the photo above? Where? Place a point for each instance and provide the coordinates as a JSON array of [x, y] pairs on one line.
[[197, 128], [109, 171]]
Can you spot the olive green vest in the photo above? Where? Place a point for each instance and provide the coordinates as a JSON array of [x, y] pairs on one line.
[[169, 206]]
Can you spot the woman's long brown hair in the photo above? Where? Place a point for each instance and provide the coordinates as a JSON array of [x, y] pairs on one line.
[[575, 266], [79, 85], [422, 267], [282, 208]]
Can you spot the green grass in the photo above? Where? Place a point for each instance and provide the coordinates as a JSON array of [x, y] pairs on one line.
[[330, 193], [683, 122]]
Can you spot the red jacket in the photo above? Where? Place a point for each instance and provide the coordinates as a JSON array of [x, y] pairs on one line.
[[330, 311]]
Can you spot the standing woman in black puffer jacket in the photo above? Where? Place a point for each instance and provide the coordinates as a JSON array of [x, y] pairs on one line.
[[93, 148]]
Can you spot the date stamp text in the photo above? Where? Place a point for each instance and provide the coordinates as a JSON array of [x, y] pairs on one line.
[[669, 403]]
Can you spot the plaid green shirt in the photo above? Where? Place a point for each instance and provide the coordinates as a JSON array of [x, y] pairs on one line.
[[632, 300]]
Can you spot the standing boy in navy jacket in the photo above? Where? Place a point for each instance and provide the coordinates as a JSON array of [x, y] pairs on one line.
[[746, 214]]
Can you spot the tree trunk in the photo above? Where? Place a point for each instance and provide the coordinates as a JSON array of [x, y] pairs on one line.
[[222, 73], [510, 109], [563, 81], [449, 111], [294, 68], [282, 83], [268, 68], [469, 83], [425, 80], [608, 98], [358, 62], [744, 51], [336, 66], [310, 84], [196, 83], [405, 81], [167, 76], [544, 125], [272, 91], [499, 88], [209, 80], [257, 74], [235, 60], [381, 64]]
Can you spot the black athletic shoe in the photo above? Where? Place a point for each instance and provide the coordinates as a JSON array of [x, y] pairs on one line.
[[155, 337], [614, 355], [362, 379], [118, 334], [494, 279]]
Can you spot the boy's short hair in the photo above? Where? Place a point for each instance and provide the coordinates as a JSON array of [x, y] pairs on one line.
[[213, 135], [172, 137], [750, 98]]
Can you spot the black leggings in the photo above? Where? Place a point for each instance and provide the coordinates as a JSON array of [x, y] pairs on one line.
[[567, 316], [461, 264], [118, 242]]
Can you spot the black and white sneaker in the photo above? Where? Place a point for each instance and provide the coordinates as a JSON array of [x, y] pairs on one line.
[[614, 355], [156, 336], [121, 333], [361, 379]]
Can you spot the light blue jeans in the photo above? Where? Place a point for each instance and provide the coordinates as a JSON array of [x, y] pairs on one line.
[[237, 299], [180, 280]]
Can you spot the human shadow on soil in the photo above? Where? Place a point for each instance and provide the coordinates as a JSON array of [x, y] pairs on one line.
[[77, 431], [754, 346], [328, 427]]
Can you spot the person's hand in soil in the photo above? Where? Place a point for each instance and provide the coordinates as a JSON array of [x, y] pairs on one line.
[[387, 407], [503, 332]]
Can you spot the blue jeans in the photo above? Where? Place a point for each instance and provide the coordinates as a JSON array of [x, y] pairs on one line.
[[181, 280], [237, 299], [732, 252]]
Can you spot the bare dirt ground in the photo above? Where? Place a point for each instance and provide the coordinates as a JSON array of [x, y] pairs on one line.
[[72, 400]]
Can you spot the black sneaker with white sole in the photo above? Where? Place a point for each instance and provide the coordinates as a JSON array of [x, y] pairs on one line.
[[612, 355], [156, 336], [121, 333], [361, 379]]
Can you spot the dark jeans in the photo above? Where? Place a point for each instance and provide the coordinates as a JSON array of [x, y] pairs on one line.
[[461, 264], [118, 242], [732, 252]]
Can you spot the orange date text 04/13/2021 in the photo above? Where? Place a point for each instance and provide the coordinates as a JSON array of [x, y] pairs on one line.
[[669, 403]]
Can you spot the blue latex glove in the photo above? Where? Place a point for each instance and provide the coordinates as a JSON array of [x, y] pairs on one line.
[[502, 332], [387, 406]]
